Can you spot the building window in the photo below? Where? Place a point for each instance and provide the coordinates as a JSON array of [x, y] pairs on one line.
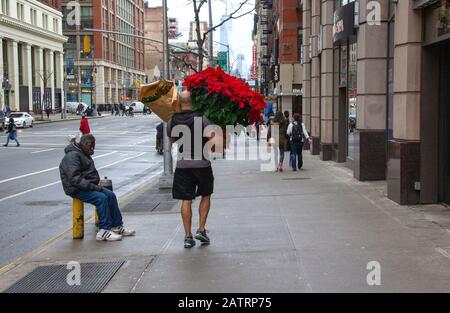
[[44, 21], [55, 25], [33, 16], [5, 7], [20, 11], [86, 17]]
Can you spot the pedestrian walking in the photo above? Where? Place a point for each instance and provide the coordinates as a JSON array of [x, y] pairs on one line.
[[288, 121], [297, 134], [80, 180], [7, 110], [278, 139], [11, 133], [48, 110], [193, 174], [84, 125]]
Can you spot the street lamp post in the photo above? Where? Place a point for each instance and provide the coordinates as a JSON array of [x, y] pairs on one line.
[[166, 179]]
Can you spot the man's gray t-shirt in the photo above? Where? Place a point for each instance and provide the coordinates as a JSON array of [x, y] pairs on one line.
[[187, 118]]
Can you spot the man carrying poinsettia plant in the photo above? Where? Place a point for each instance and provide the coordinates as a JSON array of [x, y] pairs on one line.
[[193, 174]]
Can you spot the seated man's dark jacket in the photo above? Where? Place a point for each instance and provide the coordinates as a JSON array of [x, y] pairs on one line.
[[78, 172]]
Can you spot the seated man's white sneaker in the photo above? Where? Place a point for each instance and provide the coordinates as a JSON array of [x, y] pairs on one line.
[[107, 235], [122, 231]]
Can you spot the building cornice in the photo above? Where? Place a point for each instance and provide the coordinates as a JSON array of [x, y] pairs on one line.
[[33, 30]]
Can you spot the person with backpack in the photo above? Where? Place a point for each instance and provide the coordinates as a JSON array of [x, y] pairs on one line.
[[11, 133], [297, 134]]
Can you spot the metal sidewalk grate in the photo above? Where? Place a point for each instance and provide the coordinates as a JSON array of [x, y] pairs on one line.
[[53, 279], [153, 200]]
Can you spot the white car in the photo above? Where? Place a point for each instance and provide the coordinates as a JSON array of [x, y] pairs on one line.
[[71, 107], [137, 106], [21, 119]]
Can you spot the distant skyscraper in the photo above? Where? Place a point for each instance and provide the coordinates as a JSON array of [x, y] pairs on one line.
[[240, 64], [225, 29]]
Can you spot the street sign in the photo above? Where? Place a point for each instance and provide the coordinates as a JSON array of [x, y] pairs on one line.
[[222, 60]]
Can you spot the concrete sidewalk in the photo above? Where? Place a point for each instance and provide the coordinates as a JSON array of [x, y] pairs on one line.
[[310, 231]]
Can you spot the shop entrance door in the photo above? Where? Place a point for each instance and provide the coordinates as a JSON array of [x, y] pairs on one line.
[[444, 115]]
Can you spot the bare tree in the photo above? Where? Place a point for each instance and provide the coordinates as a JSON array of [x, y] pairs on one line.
[[201, 38]]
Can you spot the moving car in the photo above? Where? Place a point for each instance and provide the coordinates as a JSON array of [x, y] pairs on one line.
[[71, 107], [21, 119]]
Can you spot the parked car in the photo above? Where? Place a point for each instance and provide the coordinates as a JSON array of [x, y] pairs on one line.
[[137, 106], [21, 119], [72, 107]]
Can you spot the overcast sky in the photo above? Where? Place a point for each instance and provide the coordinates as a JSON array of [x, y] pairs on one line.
[[239, 37]]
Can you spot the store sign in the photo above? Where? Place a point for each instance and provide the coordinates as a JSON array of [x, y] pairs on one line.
[[344, 24], [276, 73]]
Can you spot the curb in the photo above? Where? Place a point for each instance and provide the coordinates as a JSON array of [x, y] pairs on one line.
[[67, 120]]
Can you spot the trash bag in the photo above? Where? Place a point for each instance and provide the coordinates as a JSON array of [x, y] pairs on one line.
[[161, 97]]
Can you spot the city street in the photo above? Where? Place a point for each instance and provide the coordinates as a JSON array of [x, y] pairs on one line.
[[33, 205]]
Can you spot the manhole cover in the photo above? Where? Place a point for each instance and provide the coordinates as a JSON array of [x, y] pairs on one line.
[[296, 178], [54, 279]]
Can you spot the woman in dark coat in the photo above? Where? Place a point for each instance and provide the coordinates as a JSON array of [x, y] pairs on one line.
[[11, 133], [279, 141]]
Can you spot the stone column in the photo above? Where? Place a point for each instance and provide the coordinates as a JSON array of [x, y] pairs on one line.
[[13, 69], [27, 73], [326, 90], [315, 77], [2, 95], [50, 75], [59, 72], [39, 69], [370, 156], [403, 167], [306, 62]]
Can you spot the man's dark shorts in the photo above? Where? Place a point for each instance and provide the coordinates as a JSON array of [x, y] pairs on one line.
[[189, 183]]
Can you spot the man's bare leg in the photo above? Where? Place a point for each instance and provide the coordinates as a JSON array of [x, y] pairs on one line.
[[186, 215], [205, 204]]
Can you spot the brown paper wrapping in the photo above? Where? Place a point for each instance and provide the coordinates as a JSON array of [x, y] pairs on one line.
[[166, 105]]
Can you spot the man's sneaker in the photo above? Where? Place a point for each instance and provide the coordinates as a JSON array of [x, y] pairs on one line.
[[122, 231], [201, 235], [189, 242], [107, 235]]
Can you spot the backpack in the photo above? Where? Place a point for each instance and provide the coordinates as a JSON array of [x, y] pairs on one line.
[[297, 133]]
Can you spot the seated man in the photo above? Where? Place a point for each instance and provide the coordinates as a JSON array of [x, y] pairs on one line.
[[80, 180]]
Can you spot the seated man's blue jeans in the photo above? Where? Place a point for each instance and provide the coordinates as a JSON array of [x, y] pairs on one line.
[[107, 207]]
